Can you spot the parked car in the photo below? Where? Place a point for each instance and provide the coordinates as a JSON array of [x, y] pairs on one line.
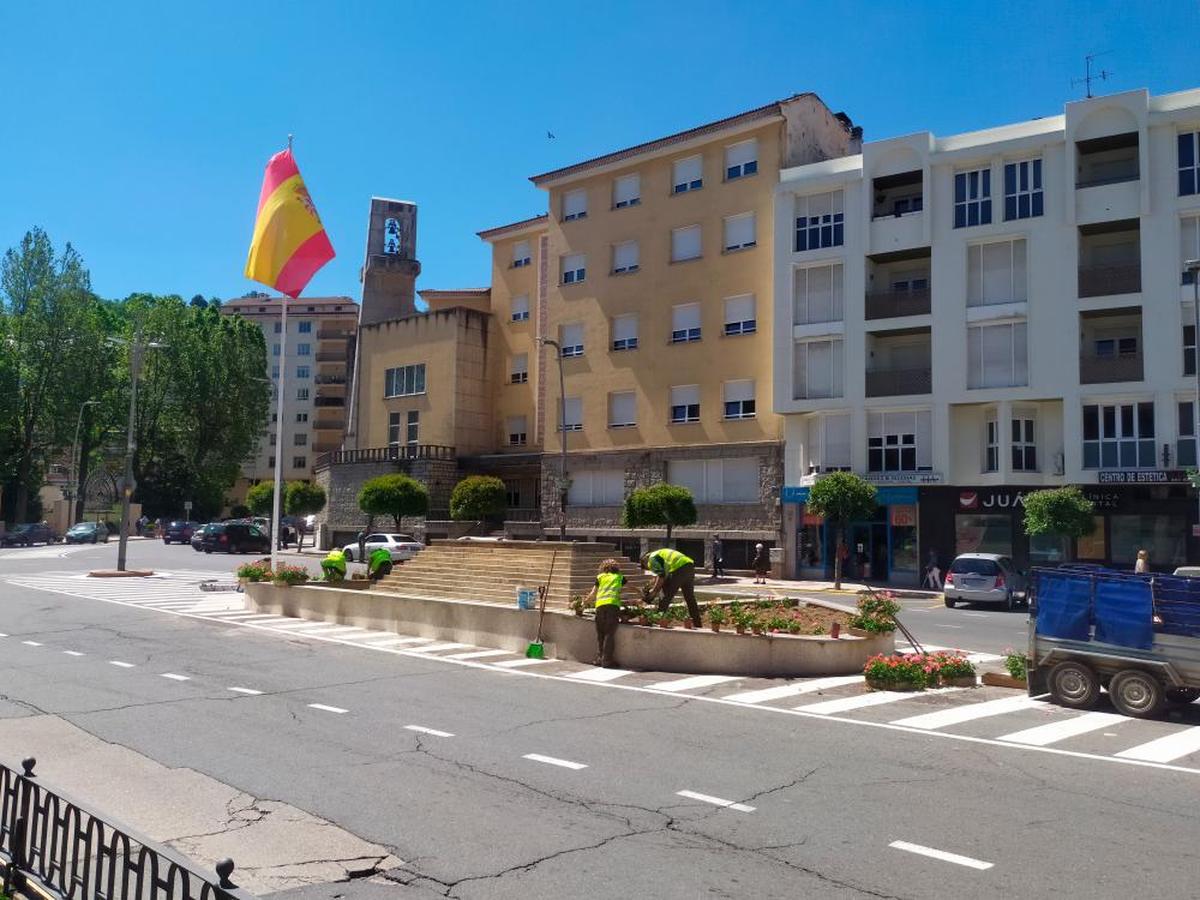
[[197, 540], [983, 578], [179, 531], [233, 537], [1188, 571], [401, 546], [87, 533], [28, 535]]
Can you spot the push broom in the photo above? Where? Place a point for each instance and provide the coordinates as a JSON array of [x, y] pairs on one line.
[[536, 650]]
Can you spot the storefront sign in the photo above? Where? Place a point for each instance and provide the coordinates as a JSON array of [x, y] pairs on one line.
[[884, 495], [903, 516], [997, 499], [904, 477], [1143, 476]]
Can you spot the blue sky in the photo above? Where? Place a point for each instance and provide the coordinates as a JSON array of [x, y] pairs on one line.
[[139, 131]]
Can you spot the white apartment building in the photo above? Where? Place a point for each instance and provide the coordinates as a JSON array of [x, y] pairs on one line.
[[977, 316]]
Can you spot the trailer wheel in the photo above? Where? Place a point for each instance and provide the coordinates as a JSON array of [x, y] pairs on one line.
[[1074, 685], [1136, 693], [1183, 695]]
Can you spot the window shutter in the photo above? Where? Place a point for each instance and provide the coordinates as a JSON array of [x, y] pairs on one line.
[[573, 261], [739, 231], [923, 428], [685, 317], [1020, 278], [574, 204], [571, 335], [739, 480], [520, 251], [625, 327], [622, 408], [685, 243], [739, 309], [520, 364], [520, 307], [626, 190], [997, 272], [800, 371], [688, 170], [574, 411], [625, 256], [685, 395], [688, 473], [1189, 240], [837, 441], [736, 391], [820, 369], [740, 154]]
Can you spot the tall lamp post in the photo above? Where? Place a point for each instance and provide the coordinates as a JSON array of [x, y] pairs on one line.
[[1192, 266], [563, 484], [76, 461]]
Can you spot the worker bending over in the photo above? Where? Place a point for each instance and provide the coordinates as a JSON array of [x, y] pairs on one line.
[[672, 571], [334, 565]]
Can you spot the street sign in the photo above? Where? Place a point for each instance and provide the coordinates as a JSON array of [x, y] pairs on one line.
[[187, 506]]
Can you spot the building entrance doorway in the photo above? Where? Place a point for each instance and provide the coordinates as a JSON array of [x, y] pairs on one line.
[[868, 551]]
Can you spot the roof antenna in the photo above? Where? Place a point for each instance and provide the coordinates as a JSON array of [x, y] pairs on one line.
[[1088, 78]]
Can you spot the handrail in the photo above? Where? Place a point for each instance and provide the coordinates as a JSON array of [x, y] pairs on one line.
[[55, 844], [393, 453]]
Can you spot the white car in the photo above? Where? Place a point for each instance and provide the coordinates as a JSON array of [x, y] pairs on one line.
[[401, 546]]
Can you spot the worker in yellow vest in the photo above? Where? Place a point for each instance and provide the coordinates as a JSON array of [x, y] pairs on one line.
[[673, 571], [606, 594]]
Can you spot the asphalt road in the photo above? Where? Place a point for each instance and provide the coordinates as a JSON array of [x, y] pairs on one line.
[[481, 782]]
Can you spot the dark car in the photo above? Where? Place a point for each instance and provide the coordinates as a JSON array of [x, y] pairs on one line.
[[178, 531], [197, 540], [87, 533], [233, 537], [28, 535]]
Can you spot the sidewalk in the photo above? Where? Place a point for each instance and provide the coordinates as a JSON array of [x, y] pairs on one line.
[[784, 587]]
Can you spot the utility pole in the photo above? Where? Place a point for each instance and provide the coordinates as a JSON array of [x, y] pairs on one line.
[[563, 482]]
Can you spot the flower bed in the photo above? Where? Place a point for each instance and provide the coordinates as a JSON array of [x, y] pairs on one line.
[[289, 575], [255, 571], [917, 671], [786, 616]]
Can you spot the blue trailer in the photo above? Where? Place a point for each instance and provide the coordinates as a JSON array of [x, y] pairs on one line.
[[1135, 636]]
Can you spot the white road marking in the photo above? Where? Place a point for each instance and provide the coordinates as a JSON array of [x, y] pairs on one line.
[[244, 690], [3, 635], [31, 643], [377, 637], [955, 858], [72, 653], [793, 690], [395, 642], [517, 663], [423, 730], [1054, 732], [862, 701], [1166, 749], [554, 761], [119, 664], [940, 625], [437, 648], [690, 684], [959, 714], [340, 631], [976, 615], [324, 708], [175, 677], [715, 801], [479, 654], [600, 675]]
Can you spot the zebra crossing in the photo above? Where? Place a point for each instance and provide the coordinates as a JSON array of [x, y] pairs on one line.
[[994, 716]]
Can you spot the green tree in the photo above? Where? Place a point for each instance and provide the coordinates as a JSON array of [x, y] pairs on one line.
[[393, 495], [477, 497], [260, 499], [303, 498], [659, 505], [1063, 512], [198, 301], [240, 511], [841, 498]]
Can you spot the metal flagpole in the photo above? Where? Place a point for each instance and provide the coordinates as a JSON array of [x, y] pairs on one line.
[[281, 387]]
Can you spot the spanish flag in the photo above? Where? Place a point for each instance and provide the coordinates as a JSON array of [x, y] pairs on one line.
[[289, 242]]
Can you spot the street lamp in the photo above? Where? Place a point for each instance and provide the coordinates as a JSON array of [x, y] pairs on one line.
[[1192, 266], [563, 484], [76, 461], [136, 348]]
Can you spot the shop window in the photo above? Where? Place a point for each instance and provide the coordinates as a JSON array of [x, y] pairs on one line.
[[983, 534], [1163, 537], [810, 543], [1094, 545], [1048, 549]]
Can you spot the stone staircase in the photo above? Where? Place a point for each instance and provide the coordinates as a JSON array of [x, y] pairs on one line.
[[491, 571]]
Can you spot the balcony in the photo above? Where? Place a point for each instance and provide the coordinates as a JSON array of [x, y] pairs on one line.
[[334, 334], [1110, 346], [899, 382], [1110, 258], [898, 195], [1102, 281], [329, 424], [392, 453], [1110, 369], [330, 379], [330, 357], [1107, 160], [329, 401], [327, 447], [889, 304]]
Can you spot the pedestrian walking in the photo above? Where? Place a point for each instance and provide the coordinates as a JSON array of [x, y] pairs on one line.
[[606, 595], [762, 564], [933, 572], [1142, 565], [362, 546], [718, 552], [673, 571]]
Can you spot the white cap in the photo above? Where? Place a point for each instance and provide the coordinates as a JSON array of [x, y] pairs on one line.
[[758, 546]]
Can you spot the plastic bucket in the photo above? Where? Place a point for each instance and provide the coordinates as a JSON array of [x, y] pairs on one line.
[[527, 598]]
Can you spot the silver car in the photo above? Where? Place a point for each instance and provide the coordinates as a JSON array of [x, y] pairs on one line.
[[983, 578]]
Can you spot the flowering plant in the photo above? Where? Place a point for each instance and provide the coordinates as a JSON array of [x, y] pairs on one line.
[[255, 571], [1016, 663], [289, 575], [947, 664], [909, 669], [876, 612]]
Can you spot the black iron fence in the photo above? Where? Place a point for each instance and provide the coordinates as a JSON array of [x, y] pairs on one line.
[[394, 453], [52, 844]]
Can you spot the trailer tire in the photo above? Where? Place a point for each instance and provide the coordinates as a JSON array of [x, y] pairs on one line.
[[1073, 684], [1137, 694], [1183, 695]]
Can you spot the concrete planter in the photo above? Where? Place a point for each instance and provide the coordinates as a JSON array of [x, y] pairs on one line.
[[567, 636], [998, 679]]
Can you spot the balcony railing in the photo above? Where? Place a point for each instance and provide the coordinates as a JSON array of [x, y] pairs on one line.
[[331, 357], [1100, 281], [386, 454], [898, 382], [329, 401], [327, 447], [1127, 170], [887, 304], [333, 334], [1109, 369], [330, 379], [329, 424]]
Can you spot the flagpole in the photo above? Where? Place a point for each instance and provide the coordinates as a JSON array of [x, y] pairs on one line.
[[277, 501]]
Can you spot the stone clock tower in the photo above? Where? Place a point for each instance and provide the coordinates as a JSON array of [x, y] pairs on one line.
[[390, 268]]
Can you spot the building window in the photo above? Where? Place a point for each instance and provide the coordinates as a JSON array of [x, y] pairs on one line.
[[817, 295], [627, 191], [403, 381], [517, 428], [412, 427], [1185, 447], [1189, 244], [304, 349], [571, 411], [817, 369], [1024, 444], [740, 315], [625, 257], [520, 308], [741, 159], [685, 323], [394, 429], [299, 462], [1118, 436], [625, 332], [596, 487], [275, 350], [739, 231], [570, 339], [574, 205], [899, 441], [991, 446], [302, 371], [574, 268], [827, 448], [685, 243], [997, 356], [1189, 349], [412, 424], [1022, 189], [271, 461], [736, 480], [739, 399], [302, 417], [997, 273], [305, 327], [274, 438], [275, 371], [685, 404], [820, 221], [622, 409], [519, 370], [299, 440], [1189, 163], [972, 198], [1116, 348], [301, 393], [687, 175], [278, 326], [521, 254]]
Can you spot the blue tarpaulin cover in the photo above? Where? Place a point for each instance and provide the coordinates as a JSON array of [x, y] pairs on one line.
[[1123, 610], [1177, 603], [1064, 608]]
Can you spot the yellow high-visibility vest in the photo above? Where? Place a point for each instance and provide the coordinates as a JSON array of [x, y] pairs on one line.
[[608, 588], [672, 560]]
